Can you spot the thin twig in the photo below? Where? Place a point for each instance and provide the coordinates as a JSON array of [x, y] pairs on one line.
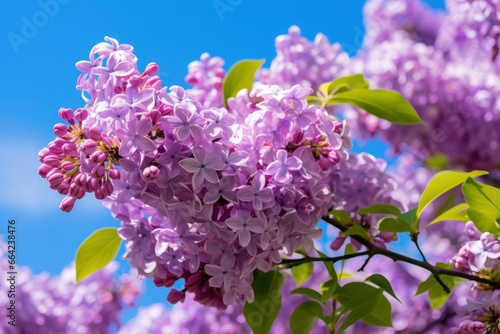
[[289, 263], [436, 271]]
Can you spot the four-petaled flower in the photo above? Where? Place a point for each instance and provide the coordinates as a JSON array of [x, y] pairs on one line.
[[203, 166], [281, 168], [243, 224], [257, 193]]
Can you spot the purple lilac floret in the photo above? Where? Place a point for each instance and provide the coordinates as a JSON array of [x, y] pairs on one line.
[[192, 169], [57, 304]]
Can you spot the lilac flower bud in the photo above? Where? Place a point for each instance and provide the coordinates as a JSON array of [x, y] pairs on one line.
[[151, 69], [55, 180], [60, 130], [107, 188], [54, 148], [114, 173], [93, 184], [76, 191], [43, 153], [337, 243], [98, 157], [99, 194], [150, 172], [81, 114], [154, 82], [176, 296], [70, 149], [93, 133], [67, 204], [88, 146], [66, 114], [44, 169], [63, 188], [66, 166], [98, 171], [136, 80], [52, 160], [80, 179]]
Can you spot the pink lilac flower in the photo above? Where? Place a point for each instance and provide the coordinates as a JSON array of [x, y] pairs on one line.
[[304, 62]]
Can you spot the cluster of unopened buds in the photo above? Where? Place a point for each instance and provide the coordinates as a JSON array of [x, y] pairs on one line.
[[207, 194], [81, 160]]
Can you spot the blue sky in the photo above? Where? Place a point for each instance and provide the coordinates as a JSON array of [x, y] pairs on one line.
[[42, 40]]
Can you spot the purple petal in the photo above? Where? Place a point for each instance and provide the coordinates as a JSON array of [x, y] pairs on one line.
[[212, 270], [146, 144], [257, 203], [210, 175], [119, 101], [198, 179], [244, 237], [211, 197], [144, 126], [293, 163], [234, 223], [246, 194], [282, 176], [189, 164]]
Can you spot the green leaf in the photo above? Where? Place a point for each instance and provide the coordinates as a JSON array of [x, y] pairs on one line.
[[95, 252], [359, 297], [313, 294], [389, 224], [260, 314], [379, 208], [314, 100], [356, 230], [305, 316], [328, 265], [382, 282], [484, 202], [349, 249], [342, 216], [328, 289], [302, 272], [381, 315], [356, 81], [437, 161], [240, 76], [441, 183], [437, 295], [386, 104], [458, 212], [354, 294]]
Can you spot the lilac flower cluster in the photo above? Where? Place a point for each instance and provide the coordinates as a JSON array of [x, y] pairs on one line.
[[479, 255], [206, 76], [56, 305], [362, 181], [300, 61], [205, 194], [472, 26], [191, 317], [455, 93]]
